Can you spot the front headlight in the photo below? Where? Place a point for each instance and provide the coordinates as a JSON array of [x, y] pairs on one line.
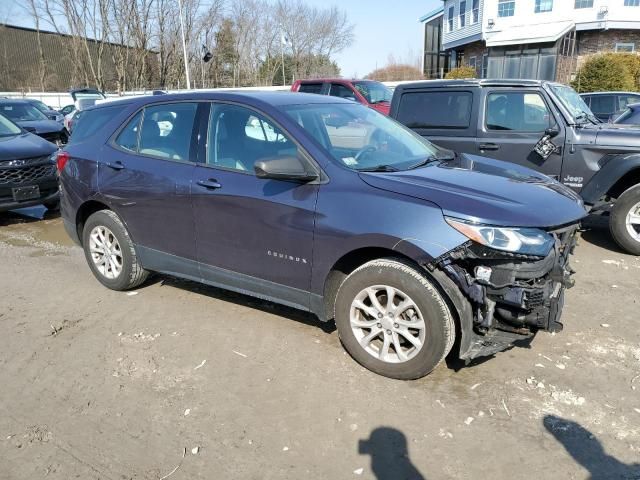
[[527, 241]]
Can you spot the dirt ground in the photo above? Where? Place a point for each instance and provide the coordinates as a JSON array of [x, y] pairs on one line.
[[182, 381]]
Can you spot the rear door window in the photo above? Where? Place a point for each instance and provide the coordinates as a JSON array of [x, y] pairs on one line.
[[625, 100], [167, 129], [310, 88], [436, 110], [128, 137]]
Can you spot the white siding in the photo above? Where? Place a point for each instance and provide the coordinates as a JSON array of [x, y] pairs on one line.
[[469, 30], [564, 10]]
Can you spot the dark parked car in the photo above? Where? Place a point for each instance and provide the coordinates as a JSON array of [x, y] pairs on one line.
[[408, 246], [367, 92], [537, 124], [33, 120], [27, 169], [608, 105], [630, 116], [48, 111]]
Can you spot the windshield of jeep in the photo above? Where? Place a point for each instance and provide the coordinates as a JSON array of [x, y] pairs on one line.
[[573, 103]]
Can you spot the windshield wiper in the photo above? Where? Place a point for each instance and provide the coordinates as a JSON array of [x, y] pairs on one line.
[[587, 116], [379, 168], [431, 159]]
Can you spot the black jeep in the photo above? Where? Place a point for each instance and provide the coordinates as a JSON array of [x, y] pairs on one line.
[[542, 125]]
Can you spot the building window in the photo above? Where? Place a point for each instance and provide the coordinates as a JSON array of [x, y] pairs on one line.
[[472, 62], [543, 6], [507, 8], [626, 47], [632, 3], [475, 12], [463, 13], [450, 18], [584, 3]]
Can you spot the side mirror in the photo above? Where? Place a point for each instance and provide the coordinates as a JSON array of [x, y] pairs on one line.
[[284, 168], [552, 132]]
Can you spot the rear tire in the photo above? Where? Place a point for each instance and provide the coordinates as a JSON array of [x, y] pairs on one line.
[[624, 222], [110, 253], [405, 339]]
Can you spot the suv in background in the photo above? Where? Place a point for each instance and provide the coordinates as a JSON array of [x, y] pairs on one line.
[[409, 249], [541, 125], [367, 92], [608, 105], [27, 169]]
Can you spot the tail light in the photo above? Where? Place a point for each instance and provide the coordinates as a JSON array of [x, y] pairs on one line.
[[61, 160]]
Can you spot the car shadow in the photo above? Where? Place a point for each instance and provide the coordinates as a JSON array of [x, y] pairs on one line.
[[290, 313], [389, 454], [27, 215], [596, 232], [587, 450]]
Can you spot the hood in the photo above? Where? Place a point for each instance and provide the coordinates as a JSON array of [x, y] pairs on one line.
[[383, 107], [24, 146], [618, 135], [42, 126], [486, 191]]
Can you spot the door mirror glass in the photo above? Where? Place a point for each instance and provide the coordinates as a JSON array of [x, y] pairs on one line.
[[284, 167]]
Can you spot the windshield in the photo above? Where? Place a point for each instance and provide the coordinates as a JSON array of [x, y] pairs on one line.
[[21, 112], [374, 92], [361, 138], [8, 128], [40, 106], [571, 101]]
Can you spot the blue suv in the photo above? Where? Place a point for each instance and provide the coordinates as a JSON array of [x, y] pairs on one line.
[[326, 206]]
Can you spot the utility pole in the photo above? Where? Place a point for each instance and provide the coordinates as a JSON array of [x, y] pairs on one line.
[[184, 47]]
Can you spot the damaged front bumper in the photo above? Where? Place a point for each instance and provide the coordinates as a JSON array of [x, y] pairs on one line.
[[504, 298]]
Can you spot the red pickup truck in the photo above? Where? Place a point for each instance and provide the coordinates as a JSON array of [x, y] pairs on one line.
[[367, 92]]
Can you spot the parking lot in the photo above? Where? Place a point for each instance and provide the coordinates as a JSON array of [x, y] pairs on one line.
[[179, 380]]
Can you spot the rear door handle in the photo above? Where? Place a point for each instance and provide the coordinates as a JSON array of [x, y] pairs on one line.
[[116, 165], [211, 184], [489, 146]]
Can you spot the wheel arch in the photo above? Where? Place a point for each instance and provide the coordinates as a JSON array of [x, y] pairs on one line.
[[617, 173], [87, 209]]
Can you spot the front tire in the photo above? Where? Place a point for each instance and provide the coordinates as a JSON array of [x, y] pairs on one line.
[[624, 221], [110, 252], [392, 320]]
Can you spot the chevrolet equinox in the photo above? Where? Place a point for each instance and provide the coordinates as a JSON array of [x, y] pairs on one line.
[[327, 206]]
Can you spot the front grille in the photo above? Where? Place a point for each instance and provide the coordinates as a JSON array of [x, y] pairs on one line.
[[28, 174]]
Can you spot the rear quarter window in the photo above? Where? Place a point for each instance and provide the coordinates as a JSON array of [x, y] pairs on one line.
[[445, 110], [90, 122], [310, 88]]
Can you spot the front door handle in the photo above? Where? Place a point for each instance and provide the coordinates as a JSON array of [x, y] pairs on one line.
[[211, 184], [117, 165], [489, 146]]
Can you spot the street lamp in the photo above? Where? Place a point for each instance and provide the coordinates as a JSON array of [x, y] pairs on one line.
[[184, 47]]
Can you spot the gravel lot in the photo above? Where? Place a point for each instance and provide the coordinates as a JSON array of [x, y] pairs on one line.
[[183, 378]]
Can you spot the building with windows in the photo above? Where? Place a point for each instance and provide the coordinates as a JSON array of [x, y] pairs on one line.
[[435, 63], [539, 39]]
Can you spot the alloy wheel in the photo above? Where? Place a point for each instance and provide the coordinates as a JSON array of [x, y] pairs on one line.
[[387, 323], [105, 252], [633, 222]]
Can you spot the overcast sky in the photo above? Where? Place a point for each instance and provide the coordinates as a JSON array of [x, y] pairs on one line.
[[382, 27]]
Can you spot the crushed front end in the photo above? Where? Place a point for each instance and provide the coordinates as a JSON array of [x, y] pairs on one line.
[[511, 295]]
